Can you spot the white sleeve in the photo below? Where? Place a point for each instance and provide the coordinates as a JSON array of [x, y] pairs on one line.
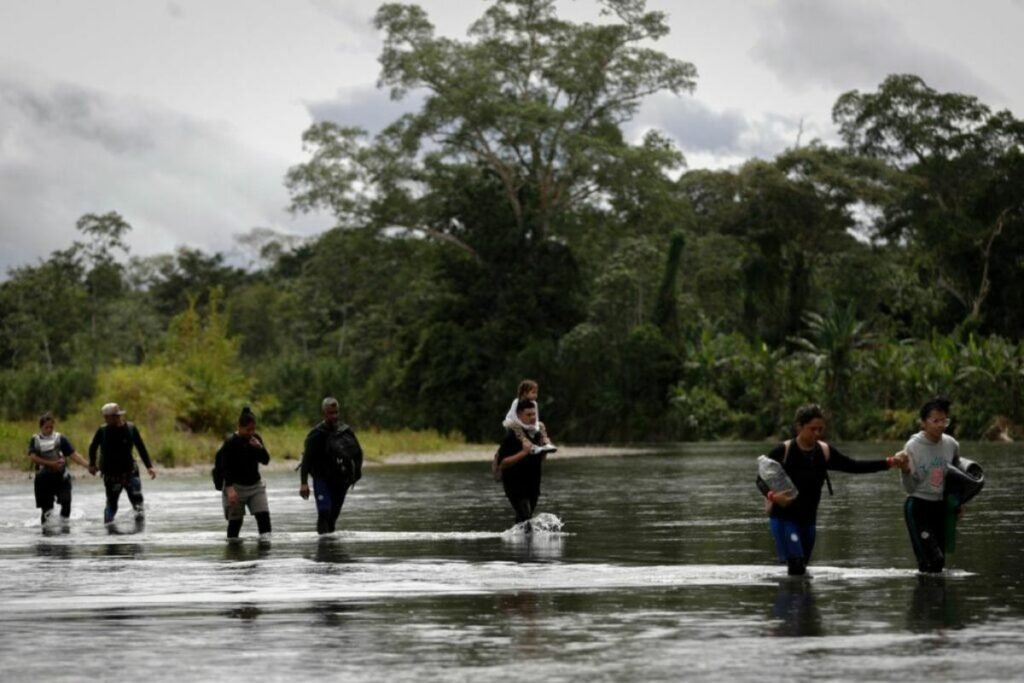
[[510, 416]]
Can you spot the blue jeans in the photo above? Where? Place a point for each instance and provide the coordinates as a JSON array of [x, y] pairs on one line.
[[794, 542]]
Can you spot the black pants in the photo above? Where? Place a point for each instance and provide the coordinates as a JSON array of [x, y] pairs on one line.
[[926, 524], [523, 503], [262, 523], [50, 486]]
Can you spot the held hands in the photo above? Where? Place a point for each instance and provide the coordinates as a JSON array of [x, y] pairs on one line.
[[92, 470], [901, 460]]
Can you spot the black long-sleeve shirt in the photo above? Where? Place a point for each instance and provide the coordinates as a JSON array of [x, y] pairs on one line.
[[523, 478], [115, 446], [807, 470], [240, 460]]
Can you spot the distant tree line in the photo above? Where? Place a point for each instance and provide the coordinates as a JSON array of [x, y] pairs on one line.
[[508, 229]]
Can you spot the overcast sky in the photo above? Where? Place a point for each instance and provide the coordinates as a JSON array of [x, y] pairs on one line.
[[184, 115]]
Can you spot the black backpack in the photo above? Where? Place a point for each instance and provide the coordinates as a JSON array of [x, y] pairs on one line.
[[217, 473]]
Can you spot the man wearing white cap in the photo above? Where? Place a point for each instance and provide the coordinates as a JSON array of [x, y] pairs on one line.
[[115, 441]]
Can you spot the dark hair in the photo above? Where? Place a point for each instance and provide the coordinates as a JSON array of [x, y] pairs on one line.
[[804, 414], [525, 386], [246, 418], [938, 403], [524, 406], [44, 418]]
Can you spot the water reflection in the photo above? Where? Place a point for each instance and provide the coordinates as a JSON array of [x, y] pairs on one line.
[[239, 551], [795, 610], [535, 546], [133, 550], [58, 551], [934, 606], [246, 613], [329, 549]]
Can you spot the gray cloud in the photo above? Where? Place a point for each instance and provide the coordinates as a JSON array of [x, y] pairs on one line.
[[66, 151], [708, 134], [843, 45], [364, 106]]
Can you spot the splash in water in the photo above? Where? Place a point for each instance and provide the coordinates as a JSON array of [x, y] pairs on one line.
[[543, 523]]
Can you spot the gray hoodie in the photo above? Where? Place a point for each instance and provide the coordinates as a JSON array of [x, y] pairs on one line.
[[928, 460]]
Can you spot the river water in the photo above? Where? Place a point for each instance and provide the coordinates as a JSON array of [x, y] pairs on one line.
[[663, 569]]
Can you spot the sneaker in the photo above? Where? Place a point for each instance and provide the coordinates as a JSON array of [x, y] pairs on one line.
[[549, 448]]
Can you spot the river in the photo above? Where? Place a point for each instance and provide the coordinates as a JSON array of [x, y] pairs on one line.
[[662, 569]]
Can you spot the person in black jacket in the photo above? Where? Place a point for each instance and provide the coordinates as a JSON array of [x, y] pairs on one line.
[[334, 458], [520, 459], [115, 441], [806, 460], [239, 460]]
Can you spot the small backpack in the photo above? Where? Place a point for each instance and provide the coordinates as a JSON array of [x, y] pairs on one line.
[[217, 473]]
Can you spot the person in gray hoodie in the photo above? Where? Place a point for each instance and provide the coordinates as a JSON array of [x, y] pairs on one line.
[[923, 477]]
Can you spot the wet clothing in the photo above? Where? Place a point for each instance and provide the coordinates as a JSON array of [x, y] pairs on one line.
[[120, 472], [115, 446], [521, 481], [926, 525], [240, 461], [928, 460], [253, 497], [808, 471], [131, 484], [51, 484], [926, 512], [334, 458], [794, 527]]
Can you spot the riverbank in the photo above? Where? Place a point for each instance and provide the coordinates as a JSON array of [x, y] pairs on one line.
[[481, 453]]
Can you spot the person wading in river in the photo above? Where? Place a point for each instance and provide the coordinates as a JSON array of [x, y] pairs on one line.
[[520, 459], [239, 460], [50, 451], [334, 458], [792, 515], [115, 441], [930, 451]]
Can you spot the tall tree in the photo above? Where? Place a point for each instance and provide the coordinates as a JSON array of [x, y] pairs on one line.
[[960, 207]]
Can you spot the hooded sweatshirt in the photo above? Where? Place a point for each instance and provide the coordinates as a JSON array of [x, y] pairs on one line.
[[928, 460]]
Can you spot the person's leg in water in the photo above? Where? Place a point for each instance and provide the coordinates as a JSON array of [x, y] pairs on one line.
[[926, 525], [113, 487], [134, 491], [234, 514], [260, 509], [523, 509], [329, 499], [64, 498], [337, 501], [794, 544], [45, 494]]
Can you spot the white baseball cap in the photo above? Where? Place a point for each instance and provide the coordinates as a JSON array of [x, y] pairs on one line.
[[111, 409]]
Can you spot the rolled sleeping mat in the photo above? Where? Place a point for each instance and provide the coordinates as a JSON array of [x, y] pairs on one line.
[[773, 474], [964, 482]]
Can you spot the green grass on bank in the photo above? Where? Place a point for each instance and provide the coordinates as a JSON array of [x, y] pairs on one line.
[[170, 447]]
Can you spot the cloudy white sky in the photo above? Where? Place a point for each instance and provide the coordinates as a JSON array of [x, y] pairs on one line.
[[184, 115]]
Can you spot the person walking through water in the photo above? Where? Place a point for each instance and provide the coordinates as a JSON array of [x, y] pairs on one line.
[[334, 458], [929, 452], [238, 461], [520, 461], [115, 441], [806, 459], [50, 451]]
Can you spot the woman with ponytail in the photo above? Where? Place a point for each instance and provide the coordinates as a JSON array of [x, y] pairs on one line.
[[239, 459]]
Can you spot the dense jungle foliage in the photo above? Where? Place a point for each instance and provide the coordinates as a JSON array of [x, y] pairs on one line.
[[509, 229]]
